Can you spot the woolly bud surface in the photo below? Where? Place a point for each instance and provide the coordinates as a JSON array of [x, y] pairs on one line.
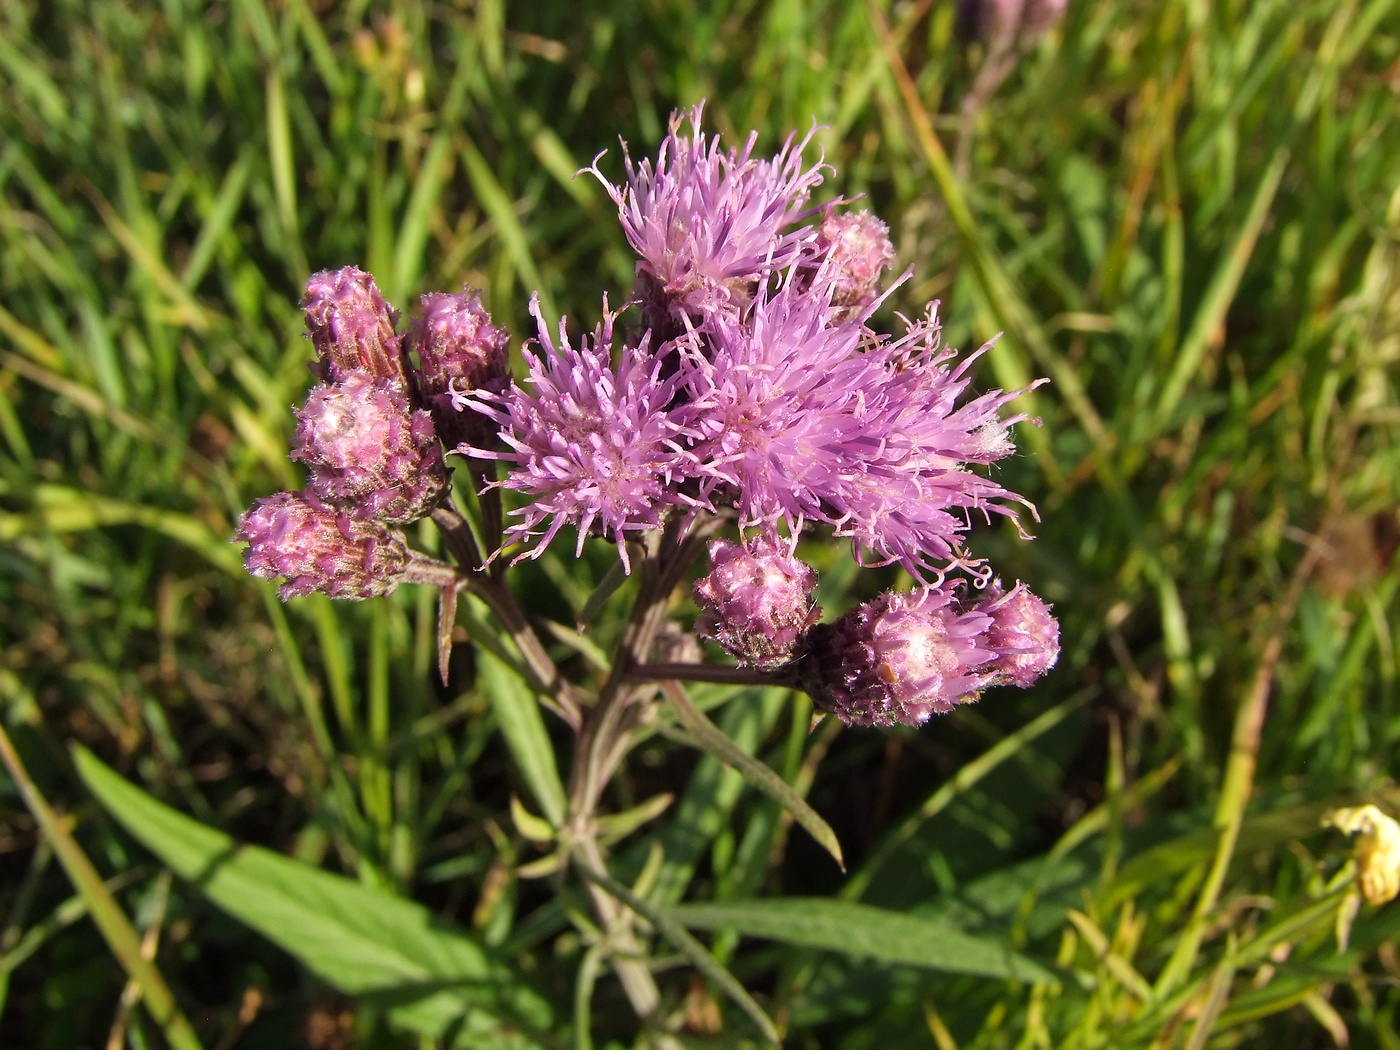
[[352, 326], [1023, 634], [756, 602], [315, 548], [899, 659], [459, 349], [457, 344], [368, 450]]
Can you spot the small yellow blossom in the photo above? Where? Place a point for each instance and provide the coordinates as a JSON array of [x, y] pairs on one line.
[[1377, 850]]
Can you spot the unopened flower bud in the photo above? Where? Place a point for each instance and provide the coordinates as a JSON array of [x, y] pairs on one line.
[[756, 601], [459, 350], [369, 451], [857, 249], [1023, 635], [317, 548], [351, 326], [898, 659]]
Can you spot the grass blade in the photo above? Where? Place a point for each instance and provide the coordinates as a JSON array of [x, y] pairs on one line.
[[116, 928]]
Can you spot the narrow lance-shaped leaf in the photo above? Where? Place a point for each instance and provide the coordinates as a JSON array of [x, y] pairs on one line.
[[518, 714], [710, 738], [863, 930], [683, 942]]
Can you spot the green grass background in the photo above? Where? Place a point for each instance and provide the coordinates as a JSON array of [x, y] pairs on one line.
[[1186, 213]]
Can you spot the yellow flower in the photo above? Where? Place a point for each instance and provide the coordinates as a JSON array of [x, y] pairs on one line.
[[1377, 850]]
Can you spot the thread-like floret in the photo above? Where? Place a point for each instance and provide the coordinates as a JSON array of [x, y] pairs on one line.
[[592, 444], [756, 602], [707, 222]]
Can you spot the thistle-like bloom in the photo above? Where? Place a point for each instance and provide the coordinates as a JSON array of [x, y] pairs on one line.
[[756, 601], [592, 444], [1023, 634], [317, 548], [368, 450], [899, 659], [708, 223], [459, 349], [352, 327], [801, 417]]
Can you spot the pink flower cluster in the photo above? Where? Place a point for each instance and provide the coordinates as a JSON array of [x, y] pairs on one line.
[[367, 434], [757, 387], [753, 385]]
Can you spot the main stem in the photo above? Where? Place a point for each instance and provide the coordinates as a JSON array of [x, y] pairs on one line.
[[602, 743]]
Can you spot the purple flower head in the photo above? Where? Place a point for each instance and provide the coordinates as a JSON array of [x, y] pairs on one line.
[[1039, 16], [899, 659], [772, 404], [802, 416], [856, 247], [351, 326], [317, 548], [1023, 634], [756, 601], [459, 349], [708, 223], [911, 497], [369, 451], [592, 444]]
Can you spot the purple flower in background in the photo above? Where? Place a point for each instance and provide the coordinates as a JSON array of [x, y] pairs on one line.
[[317, 548], [591, 444], [708, 222], [368, 450], [900, 658], [1023, 634], [351, 326], [1000, 24], [756, 601]]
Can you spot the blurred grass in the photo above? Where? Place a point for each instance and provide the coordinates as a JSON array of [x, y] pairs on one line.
[[1186, 213]]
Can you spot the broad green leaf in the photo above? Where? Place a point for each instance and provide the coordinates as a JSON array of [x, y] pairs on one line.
[[859, 929], [518, 714], [429, 976]]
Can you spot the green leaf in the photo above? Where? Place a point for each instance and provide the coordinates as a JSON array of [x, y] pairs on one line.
[[430, 977], [518, 714], [859, 929], [710, 738]]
